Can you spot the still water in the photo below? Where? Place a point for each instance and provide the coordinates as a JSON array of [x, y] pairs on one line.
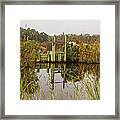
[[68, 81]]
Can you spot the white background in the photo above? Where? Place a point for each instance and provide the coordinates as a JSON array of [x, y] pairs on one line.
[[15, 106]]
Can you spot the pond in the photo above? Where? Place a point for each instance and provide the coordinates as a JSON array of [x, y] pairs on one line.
[[67, 81]]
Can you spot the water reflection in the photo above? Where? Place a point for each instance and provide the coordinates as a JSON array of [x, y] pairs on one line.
[[60, 81]]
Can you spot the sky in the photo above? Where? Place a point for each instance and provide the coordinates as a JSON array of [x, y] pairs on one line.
[[67, 26]]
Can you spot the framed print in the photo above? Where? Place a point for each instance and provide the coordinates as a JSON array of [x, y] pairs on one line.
[[60, 60]]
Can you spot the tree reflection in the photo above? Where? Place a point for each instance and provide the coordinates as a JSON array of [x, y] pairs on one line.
[[84, 77]]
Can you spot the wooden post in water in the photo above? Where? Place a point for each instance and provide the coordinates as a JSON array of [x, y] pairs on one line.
[[65, 39], [48, 55], [53, 50]]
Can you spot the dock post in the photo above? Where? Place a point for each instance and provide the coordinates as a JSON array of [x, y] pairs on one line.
[[53, 50], [65, 39]]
